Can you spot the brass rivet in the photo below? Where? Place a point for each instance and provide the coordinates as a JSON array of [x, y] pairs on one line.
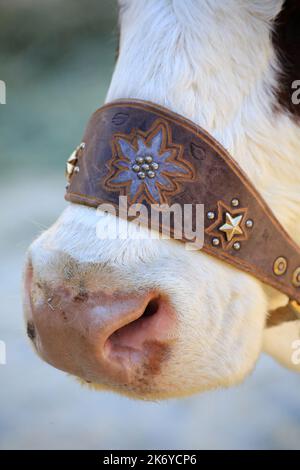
[[280, 266], [296, 277]]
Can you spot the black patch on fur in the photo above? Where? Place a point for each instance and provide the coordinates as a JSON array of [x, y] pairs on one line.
[[286, 39], [31, 331]]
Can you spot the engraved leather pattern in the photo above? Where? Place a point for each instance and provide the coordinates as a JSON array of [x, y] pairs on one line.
[[194, 169]]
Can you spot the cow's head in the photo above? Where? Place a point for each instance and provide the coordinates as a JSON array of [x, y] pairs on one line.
[[145, 317]]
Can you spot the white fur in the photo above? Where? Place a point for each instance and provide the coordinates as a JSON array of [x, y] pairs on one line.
[[213, 62]]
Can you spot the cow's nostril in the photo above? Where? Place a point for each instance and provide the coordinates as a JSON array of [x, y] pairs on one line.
[[151, 327], [31, 331], [151, 308]]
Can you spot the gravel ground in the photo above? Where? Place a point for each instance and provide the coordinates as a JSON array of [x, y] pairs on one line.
[[42, 408]]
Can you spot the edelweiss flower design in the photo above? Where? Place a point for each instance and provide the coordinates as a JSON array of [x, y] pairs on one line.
[[147, 165]]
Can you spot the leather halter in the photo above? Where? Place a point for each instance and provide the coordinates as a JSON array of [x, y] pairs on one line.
[[153, 156]]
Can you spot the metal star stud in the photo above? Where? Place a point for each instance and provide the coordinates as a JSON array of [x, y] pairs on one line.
[[71, 164], [228, 225], [232, 226]]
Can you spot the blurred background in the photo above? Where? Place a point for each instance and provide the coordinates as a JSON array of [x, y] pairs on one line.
[[57, 57]]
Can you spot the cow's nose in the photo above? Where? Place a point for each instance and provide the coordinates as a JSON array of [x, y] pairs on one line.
[[101, 337]]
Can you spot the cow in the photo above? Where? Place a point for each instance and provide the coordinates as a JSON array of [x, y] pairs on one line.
[[144, 316]]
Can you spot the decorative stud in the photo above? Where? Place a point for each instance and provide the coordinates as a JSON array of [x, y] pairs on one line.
[[139, 160], [235, 202], [237, 246], [145, 167], [211, 215], [229, 225], [280, 266], [249, 223], [296, 277], [215, 241], [154, 166], [71, 164], [144, 147], [232, 226]]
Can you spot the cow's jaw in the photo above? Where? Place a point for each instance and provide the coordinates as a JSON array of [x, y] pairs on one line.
[[211, 331]]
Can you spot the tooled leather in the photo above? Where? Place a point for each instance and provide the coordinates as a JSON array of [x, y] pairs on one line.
[[182, 170], [211, 178]]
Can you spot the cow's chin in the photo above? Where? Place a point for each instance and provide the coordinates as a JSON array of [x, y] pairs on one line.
[[213, 339]]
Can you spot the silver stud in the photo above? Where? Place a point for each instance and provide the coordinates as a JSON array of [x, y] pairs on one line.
[[145, 167], [237, 246], [67, 185], [249, 223], [136, 168], [139, 160], [215, 242], [211, 215], [148, 159], [235, 202], [154, 166], [76, 169], [141, 175], [82, 145], [151, 174]]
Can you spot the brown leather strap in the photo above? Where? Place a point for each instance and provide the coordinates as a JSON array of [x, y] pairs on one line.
[[187, 166]]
